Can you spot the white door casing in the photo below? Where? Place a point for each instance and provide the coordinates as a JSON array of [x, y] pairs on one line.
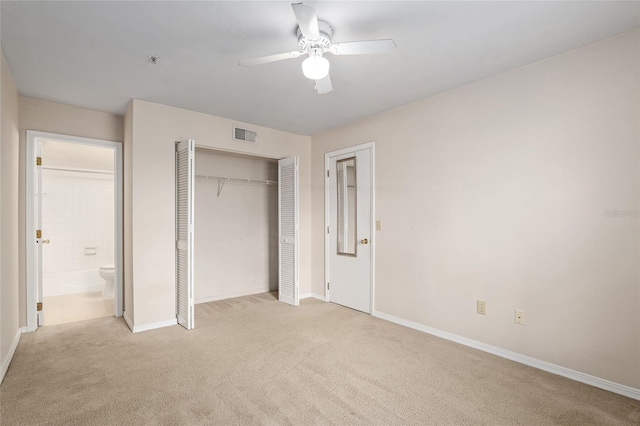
[[39, 238], [350, 277], [288, 231], [185, 177]]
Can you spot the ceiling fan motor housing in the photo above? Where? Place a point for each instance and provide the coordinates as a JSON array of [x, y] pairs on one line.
[[322, 43]]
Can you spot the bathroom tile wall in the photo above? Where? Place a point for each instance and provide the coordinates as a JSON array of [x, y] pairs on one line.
[[78, 219]]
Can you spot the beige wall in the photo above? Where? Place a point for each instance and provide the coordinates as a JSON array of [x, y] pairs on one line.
[[9, 324], [155, 130], [498, 191], [51, 117], [75, 156]]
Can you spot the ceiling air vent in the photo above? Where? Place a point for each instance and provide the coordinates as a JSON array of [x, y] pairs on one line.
[[244, 135]]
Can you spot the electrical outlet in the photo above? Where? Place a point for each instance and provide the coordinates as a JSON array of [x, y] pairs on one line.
[[482, 307], [519, 317], [378, 225]]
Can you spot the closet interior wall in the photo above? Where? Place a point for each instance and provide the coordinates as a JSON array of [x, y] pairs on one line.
[[236, 226]]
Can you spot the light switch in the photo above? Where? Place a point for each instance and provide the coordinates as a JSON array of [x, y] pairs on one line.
[[378, 225]]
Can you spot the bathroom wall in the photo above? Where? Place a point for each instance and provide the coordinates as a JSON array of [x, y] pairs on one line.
[[78, 216], [236, 233]]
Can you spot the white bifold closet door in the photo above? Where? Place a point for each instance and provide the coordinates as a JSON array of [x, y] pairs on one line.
[[185, 175], [288, 230]]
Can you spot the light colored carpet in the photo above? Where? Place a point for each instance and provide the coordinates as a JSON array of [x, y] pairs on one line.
[[253, 360]]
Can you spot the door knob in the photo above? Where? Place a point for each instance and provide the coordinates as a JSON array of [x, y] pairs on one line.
[[364, 241]]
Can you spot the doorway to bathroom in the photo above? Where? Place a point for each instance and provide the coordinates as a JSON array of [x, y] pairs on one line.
[[74, 229]]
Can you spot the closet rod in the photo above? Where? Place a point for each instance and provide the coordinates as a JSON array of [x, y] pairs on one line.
[[233, 179], [223, 179]]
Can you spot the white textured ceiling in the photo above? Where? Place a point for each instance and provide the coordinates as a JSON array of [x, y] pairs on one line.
[[94, 54]]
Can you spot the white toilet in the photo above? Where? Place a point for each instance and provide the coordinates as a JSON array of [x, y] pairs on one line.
[[107, 274]]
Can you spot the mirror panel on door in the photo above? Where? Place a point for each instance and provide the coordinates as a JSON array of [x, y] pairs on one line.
[[346, 190]]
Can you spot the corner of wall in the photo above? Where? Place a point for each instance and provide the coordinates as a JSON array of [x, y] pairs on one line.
[[9, 242], [128, 216]]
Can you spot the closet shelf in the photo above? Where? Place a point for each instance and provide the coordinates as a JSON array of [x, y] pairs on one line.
[[224, 179]]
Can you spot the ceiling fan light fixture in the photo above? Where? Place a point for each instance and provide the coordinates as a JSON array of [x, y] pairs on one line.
[[314, 39], [315, 67]]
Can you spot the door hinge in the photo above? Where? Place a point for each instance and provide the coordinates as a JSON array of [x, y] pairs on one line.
[[38, 161], [39, 306], [327, 229], [328, 286], [38, 233], [327, 173]]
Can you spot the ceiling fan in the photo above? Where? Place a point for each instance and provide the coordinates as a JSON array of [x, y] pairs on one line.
[[314, 39]]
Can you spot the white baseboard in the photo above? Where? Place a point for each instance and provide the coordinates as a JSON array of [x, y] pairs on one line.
[[153, 326], [24, 329], [513, 356], [127, 320], [12, 350], [231, 295], [314, 295]]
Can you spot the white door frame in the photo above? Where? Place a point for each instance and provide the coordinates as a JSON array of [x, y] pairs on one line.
[[327, 213], [32, 136]]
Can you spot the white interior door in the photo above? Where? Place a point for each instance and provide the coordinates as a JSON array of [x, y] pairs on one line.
[[185, 175], [350, 208], [39, 237], [288, 230]]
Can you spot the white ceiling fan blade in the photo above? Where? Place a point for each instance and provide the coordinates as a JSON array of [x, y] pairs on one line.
[[271, 58], [307, 20], [363, 47], [324, 85]]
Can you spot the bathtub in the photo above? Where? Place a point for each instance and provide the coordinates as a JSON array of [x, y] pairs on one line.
[[57, 283]]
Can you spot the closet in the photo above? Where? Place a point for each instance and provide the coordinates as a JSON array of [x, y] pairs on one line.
[[236, 227]]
